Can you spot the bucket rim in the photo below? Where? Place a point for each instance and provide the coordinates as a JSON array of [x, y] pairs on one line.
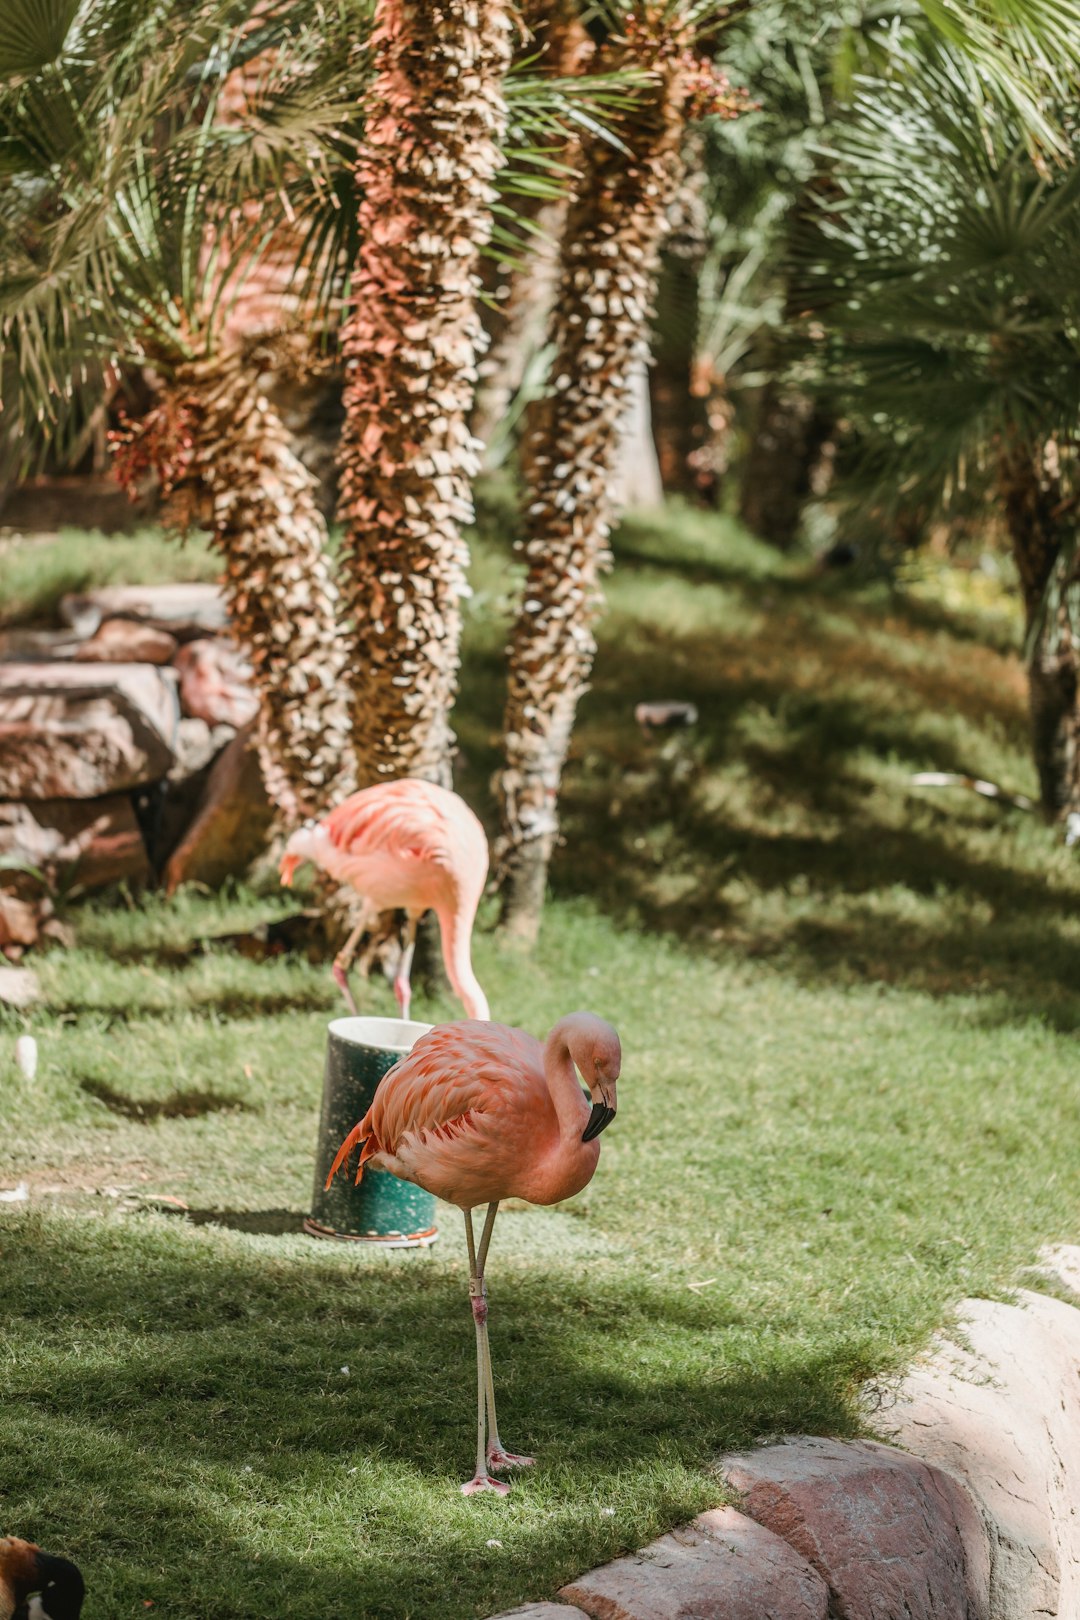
[[379, 1034]]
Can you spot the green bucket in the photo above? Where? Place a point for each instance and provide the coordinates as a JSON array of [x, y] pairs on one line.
[[383, 1209]]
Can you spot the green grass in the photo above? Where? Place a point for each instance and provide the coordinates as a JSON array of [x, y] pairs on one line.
[[35, 573], [848, 1010]]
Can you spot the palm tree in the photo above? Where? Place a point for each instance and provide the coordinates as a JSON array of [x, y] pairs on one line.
[[119, 252], [943, 281], [411, 343], [616, 221]]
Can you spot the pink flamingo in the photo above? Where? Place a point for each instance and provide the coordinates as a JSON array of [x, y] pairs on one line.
[[480, 1112], [406, 844]]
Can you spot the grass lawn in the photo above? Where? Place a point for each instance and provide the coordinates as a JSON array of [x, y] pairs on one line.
[[848, 1009]]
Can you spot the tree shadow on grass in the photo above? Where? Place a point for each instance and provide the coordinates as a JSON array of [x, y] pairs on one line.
[[189, 1103], [793, 713], [228, 1001], [216, 1416]]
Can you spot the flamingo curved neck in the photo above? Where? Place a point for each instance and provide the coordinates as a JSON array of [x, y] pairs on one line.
[[571, 1109], [454, 932]]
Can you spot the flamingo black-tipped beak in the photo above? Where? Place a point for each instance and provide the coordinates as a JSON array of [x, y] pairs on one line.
[[599, 1120]]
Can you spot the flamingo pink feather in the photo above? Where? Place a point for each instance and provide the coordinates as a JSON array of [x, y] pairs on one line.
[[408, 845]]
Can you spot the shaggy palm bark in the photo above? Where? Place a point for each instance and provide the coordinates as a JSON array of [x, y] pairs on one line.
[[226, 459], [411, 344], [616, 222], [1030, 484]]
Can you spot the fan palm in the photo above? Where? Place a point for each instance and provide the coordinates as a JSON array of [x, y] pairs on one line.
[[599, 327], [942, 278], [119, 251]]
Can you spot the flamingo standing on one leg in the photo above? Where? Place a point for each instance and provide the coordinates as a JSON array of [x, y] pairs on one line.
[[480, 1112], [406, 844]]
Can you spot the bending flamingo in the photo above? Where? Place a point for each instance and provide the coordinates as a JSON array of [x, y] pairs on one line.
[[480, 1112], [408, 845]]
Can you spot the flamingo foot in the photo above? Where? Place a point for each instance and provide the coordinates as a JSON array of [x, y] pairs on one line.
[[498, 1459], [484, 1482], [342, 981]]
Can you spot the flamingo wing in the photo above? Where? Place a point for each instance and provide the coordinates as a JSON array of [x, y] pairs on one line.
[[400, 820], [454, 1073], [454, 1076]]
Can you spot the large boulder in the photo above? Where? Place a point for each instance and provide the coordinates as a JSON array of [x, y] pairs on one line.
[[183, 610], [231, 823], [722, 1565], [80, 731], [888, 1535], [90, 842]]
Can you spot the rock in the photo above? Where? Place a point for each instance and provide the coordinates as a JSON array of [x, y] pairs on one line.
[[77, 731], [20, 923], [27, 915], [184, 610], [197, 747], [543, 1611], [231, 823], [1003, 1415], [889, 1535], [18, 987], [723, 1566], [197, 744], [665, 716], [126, 641], [36, 646], [87, 841], [215, 683]]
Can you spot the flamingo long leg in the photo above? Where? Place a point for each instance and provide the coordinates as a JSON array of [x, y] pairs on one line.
[[344, 958], [496, 1455], [402, 984], [481, 1480]]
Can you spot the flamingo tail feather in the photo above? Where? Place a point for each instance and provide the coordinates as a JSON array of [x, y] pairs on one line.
[[357, 1134]]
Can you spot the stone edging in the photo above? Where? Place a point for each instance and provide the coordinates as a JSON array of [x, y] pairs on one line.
[[973, 1513]]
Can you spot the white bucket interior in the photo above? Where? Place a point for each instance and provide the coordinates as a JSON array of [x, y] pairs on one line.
[[383, 1034]]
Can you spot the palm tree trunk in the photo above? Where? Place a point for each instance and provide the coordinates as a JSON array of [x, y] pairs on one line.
[[789, 432], [616, 222], [411, 346], [226, 456], [1034, 507]]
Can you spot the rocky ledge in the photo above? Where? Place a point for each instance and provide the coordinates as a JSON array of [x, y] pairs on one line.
[[126, 752], [971, 1512]]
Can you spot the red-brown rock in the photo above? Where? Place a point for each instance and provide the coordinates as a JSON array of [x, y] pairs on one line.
[[27, 914], [78, 731], [890, 1536], [90, 842], [126, 641], [231, 823], [721, 1567], [215, 684]]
